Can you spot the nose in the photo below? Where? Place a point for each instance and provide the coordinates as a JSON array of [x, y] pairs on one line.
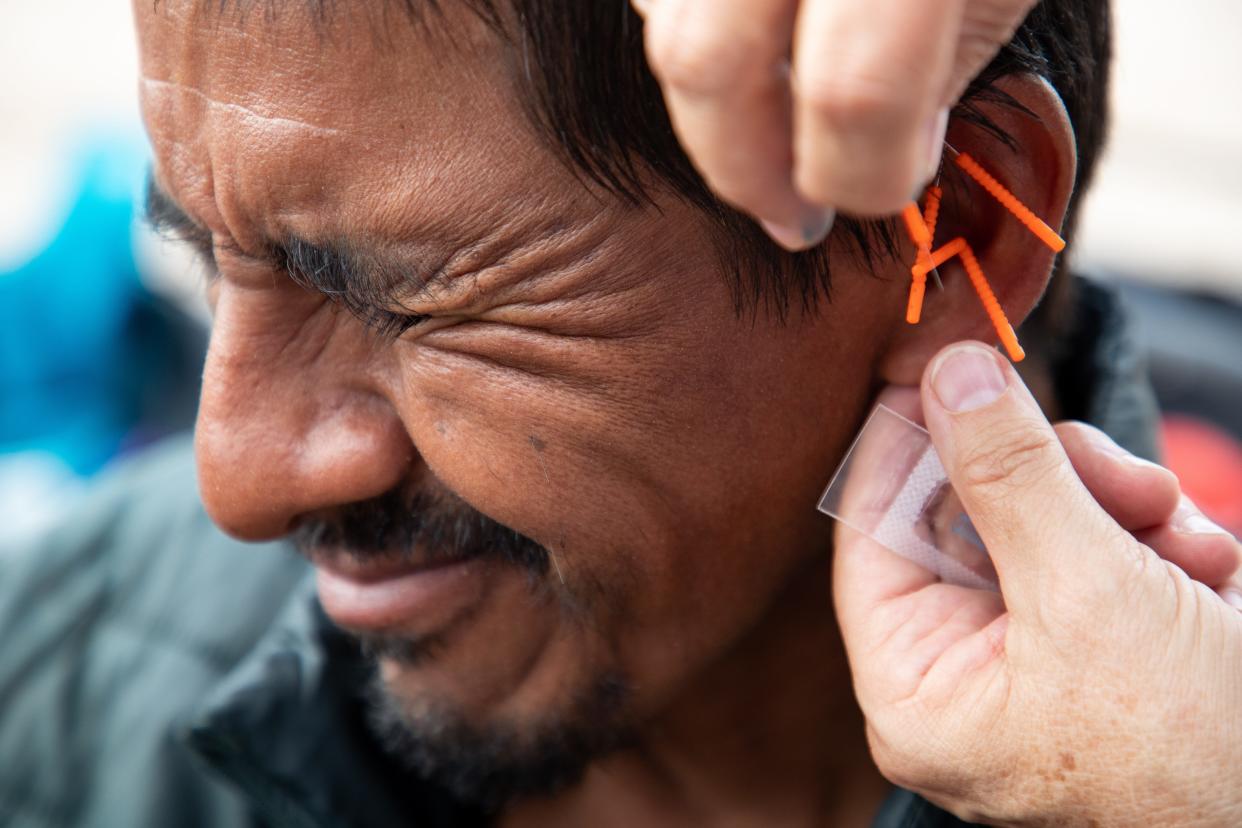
[[286, 426]]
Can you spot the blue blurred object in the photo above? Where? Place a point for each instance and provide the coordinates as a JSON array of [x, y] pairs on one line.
[[82, 341], [67, 370]]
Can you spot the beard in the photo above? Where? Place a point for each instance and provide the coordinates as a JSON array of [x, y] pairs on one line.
[[483, 765], [487, 766]]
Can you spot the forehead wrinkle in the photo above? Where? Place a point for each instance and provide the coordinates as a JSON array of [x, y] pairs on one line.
[[246, 113], [225, 183], [388, 184]]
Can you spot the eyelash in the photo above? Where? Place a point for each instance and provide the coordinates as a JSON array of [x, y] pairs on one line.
[[384, 323], [389, 325]]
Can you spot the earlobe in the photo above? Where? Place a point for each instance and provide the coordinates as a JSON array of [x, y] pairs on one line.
[[1037, 165]]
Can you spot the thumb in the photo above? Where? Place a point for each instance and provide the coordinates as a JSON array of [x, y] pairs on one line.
[[1046, 535]]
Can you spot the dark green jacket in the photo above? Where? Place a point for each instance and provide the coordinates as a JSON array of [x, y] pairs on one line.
[[155, 673]]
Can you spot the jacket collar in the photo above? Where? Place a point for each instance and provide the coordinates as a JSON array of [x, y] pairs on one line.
[[287, 726]]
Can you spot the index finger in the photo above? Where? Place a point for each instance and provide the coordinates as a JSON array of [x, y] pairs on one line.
[[719, 65], [869, 82]]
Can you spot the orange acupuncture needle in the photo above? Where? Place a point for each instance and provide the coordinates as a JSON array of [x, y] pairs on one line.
[[931, 212], [941, 255], [922, 240], [1011, 203], [914, 306], [995, 312]]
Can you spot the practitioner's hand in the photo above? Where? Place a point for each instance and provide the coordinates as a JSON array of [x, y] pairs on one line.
[[1104, 685], [1146, 500], [858, 121]]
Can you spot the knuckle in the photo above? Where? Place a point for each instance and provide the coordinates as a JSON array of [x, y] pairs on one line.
[[898, 770], [900, 767], [697, 61], [867, 103], [1012, 458], [1133, 566], [1074, 430], [930, 768], [1082, 440]]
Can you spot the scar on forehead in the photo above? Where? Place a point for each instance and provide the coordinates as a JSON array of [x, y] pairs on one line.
[[237, 109]]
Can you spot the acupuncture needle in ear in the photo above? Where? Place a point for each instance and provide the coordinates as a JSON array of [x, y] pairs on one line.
[[931, 212], [991, 306], [922, 241], [1008, 200]]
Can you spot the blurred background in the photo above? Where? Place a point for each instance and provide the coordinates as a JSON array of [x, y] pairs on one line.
[[102, 328]]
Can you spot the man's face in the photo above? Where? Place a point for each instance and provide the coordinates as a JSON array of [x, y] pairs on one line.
[[583, 377]]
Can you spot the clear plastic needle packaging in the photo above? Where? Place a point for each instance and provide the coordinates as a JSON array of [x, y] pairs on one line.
[[892, 488]]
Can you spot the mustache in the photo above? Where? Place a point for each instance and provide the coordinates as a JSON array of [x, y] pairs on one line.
[[419, 527]]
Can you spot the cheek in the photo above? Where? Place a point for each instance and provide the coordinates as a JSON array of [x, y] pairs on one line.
[[567, 459], [674, 480]]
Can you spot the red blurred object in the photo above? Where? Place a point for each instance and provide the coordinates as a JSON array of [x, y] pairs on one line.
[[1208, 462]]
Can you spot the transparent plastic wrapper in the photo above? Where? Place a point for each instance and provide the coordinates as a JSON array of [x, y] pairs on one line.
[[892, 488]]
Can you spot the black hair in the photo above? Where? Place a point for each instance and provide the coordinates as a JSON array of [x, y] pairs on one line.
[[593, 95], [590, 91]]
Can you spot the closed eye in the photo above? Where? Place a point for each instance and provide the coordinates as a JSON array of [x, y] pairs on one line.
[[169, 221], [390, 325], [309, 266]]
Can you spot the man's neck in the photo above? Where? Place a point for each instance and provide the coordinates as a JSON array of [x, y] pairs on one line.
[[771, 735]]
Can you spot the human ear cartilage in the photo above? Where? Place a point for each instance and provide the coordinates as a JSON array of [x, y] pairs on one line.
[[1010, 202], [920, 226]]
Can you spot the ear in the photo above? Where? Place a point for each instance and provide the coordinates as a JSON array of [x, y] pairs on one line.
[[1039, 169]]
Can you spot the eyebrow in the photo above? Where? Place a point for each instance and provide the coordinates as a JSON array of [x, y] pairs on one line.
[[364, 284]]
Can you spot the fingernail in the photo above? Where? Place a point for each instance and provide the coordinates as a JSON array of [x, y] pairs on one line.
[[1233, 598], [968, 377], [937, 128], [810, 233]]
